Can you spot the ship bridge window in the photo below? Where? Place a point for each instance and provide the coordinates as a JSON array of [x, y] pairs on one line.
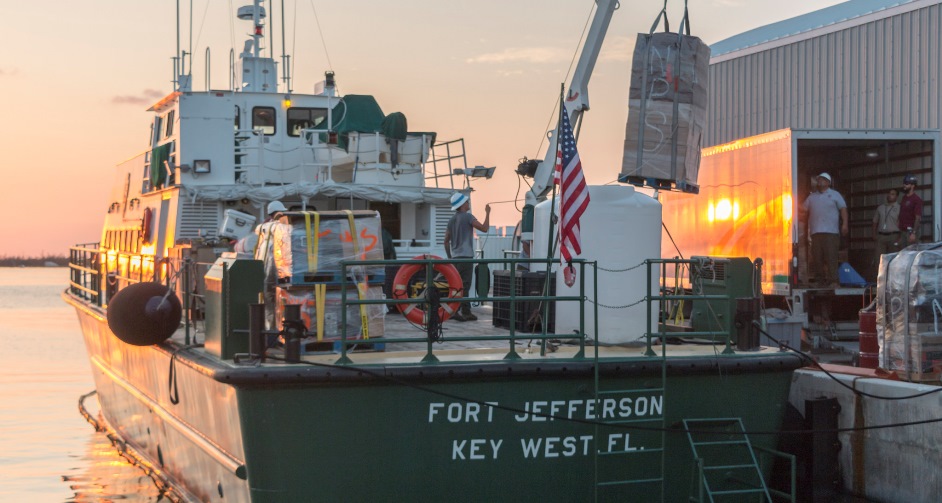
[[264, 118], [155, 130], [305, 118], [169, 132]]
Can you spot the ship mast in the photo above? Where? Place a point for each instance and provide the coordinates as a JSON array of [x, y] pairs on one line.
[[258, 73]]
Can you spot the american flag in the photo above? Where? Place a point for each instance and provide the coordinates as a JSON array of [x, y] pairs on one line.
[[574, 195]]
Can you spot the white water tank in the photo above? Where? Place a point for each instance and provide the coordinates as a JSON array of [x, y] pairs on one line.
[[620, 229]]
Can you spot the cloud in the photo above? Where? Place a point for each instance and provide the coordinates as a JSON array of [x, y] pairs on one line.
[[147, 97], [618, 48], [522, 55]]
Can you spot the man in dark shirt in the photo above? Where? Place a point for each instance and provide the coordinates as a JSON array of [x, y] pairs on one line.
[[910, 212], [459, 243]]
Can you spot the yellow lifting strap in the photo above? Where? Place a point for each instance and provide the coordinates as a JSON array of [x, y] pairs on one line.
[[320, 300], [361, 286], [679, 306], [313, 240]]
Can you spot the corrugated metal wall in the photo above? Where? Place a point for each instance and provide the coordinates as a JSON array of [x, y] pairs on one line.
[[884, 74]]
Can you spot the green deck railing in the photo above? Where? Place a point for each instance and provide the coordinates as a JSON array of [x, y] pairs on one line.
[[429, 264], [97, 274]]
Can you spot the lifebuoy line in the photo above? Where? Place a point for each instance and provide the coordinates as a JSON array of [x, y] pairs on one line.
[[413, 312]]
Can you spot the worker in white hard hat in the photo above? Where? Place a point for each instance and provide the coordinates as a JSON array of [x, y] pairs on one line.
[[459, 243], [826, 213], [264, 252], [274, 208]]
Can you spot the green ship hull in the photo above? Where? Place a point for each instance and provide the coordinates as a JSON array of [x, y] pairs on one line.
[[471, 427]]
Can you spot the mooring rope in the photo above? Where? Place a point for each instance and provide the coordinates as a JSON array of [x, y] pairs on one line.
[[166, 490]]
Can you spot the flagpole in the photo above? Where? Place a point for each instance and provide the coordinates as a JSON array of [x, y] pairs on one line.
[[551, 243]]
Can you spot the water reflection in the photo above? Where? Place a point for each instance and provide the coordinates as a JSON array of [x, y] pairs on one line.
[[48, 452], [105, 476]]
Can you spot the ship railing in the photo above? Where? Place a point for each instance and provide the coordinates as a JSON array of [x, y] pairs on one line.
[[350, 298], [97, 274], [321, 165], [671, 298], [247, 142], [447, 156], [84, 272]]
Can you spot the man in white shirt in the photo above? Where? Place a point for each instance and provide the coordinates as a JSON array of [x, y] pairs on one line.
[[826, 212]]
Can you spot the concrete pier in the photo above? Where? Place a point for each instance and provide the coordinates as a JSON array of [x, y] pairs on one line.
[[892, 464]]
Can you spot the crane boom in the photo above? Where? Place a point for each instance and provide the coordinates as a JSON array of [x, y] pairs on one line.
[[577, 97]]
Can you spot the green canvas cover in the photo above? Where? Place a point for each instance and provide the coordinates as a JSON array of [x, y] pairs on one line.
[[395, 126], [158, 175], [360, 113]]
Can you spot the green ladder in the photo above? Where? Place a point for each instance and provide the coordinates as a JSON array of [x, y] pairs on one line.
[[726, 464], [609, 478]]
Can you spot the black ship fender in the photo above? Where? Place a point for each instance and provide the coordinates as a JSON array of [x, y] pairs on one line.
[[143, 314]]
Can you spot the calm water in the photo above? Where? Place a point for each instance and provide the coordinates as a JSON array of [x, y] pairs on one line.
[[48, 452]]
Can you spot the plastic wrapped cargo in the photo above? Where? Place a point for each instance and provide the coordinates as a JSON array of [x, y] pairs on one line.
[[909, 312], [332, 316], [310, 247], [666, 109]]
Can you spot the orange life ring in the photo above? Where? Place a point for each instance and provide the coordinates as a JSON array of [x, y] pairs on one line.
[[146, 224], [413, 312]]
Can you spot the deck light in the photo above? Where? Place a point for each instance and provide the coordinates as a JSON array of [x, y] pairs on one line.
[[482, 172], [201, 166], [287, 102]]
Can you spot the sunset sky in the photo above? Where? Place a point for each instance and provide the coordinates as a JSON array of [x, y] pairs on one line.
[[77, 77]]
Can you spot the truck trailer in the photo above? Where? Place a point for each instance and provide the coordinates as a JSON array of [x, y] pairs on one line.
[[750, 192]]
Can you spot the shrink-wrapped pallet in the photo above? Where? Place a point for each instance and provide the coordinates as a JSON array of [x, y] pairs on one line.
[[310, 247], [909, 313], [332, 316], [666, 110]]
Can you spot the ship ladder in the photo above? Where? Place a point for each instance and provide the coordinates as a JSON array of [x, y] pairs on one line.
[[725, 468], [629, 463]]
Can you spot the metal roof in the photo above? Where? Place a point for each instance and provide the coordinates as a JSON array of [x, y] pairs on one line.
[[814, 23]]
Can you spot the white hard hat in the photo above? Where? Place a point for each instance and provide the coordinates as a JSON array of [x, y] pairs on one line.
[[457, 200], [825, 176], [276, 206]]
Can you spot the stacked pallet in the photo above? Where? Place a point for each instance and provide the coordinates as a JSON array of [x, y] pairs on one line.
[[308, 250], [666, 111]]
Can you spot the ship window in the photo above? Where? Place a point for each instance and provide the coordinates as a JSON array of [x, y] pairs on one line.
[[264, 118], [305, 118], [238, 118], [169, 131], [155, 132]]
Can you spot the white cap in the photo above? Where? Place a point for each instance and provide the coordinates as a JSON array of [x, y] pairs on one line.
[[825, 176], [276, 206], [457, 200]]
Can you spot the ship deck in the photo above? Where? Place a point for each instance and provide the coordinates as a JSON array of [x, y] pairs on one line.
[[481, 341]]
